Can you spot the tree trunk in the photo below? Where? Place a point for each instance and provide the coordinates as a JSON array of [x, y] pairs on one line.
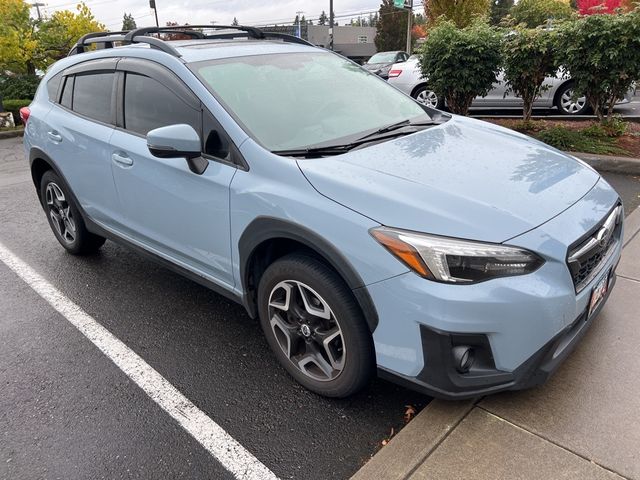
[[527, 109]]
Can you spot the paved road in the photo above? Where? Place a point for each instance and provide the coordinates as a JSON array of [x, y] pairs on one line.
[[67, 412]]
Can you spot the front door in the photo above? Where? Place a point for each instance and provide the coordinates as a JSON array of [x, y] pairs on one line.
[[170, 210]]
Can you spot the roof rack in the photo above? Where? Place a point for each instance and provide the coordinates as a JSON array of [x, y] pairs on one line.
[[143, 35]]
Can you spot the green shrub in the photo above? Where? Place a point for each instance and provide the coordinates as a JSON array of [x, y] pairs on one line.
[[602, 53], [461, 63], [18, 86], [585, 140], [14, 107], [528, 58]]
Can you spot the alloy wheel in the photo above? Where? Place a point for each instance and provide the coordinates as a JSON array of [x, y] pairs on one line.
[[307, 330], [570, 105], [60, 213], [428, 97]]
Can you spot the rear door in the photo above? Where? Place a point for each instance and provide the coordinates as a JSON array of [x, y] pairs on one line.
[[79, 129], [170, 210]]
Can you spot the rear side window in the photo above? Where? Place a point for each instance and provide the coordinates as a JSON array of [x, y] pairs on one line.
[[148, 105], [67, 93], [92, 96], [52, 87]]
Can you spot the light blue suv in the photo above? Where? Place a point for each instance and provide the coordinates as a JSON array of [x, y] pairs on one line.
[[366, 232]]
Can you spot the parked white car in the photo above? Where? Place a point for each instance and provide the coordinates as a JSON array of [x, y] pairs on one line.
[[407, 77]]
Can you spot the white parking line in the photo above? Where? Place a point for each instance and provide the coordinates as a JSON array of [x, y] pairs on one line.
[[233, 456]]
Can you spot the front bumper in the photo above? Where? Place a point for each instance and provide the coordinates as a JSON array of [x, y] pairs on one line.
[[525, 325], [441, 379]]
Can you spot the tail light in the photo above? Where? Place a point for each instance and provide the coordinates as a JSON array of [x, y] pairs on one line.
[[394, 73], [24, 114]]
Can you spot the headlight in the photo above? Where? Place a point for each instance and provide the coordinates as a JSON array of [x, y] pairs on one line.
[[450, 260]]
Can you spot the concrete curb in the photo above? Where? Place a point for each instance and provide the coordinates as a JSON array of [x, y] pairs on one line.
[[12, 133], [608, 163], [415, 442], [420, 438]]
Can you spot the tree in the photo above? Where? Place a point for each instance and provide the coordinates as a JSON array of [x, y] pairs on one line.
[[128, 22], [57, 34], [499, 10], [391, 28], [235, 22], [590, 7], [18, 44], [323, 20], [602, 53], [461, 12], [528, 58], [534, 13], [461, 63]]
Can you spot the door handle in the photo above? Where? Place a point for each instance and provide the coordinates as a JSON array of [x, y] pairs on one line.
[[122, 159], [55, 137]]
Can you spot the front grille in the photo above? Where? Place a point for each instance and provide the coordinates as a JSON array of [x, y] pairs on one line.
[[588, 257]]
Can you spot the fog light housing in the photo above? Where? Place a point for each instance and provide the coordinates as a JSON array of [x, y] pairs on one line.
[[463, 358]]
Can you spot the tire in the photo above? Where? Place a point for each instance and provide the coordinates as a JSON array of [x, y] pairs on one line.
[[567, 105], [315, 327], [428, 97], [64, 217]]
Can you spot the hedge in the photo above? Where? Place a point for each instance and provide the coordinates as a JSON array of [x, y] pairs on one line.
[[14, 107]]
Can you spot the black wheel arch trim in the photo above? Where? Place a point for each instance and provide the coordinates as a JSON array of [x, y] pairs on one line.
[[266, 228]]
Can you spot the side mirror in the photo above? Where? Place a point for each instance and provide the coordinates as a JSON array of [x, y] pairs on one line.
[[176, 141]]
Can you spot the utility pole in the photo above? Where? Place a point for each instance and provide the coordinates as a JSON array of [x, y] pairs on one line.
[[330, 24], [409, 24], [299, 25], [152, 4], [38, 5]]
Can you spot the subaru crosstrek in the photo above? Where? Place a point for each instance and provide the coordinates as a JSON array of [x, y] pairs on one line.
[[367, 232]]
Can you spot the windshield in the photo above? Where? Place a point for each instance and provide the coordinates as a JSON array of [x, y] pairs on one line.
[[383, 57], [293, 101]]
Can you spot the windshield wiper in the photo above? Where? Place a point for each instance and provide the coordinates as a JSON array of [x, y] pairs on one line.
[[388, 132]]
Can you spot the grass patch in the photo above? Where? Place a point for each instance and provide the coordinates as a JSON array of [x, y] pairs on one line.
[[588, 140]]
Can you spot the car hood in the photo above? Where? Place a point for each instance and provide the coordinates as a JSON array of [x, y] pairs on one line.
[[464, 178]]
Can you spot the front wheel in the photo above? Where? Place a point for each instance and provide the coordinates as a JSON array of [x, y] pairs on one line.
[[314, 326], [568, 104]]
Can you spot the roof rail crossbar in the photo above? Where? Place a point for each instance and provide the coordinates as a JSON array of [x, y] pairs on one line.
[[143, 35], [85, 40], [252, 31]]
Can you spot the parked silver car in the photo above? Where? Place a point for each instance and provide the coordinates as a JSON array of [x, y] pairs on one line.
[[407, 76]]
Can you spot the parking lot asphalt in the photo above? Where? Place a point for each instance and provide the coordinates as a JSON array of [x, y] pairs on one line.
[[66, 411]]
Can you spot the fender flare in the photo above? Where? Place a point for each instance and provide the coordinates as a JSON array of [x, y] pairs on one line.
[[264, 228]]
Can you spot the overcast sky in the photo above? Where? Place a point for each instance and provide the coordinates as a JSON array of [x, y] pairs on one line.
[[248, 12]]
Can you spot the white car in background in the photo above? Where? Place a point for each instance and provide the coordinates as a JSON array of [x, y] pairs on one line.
[[407, 77]]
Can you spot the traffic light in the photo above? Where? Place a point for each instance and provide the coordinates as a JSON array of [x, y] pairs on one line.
[[152, 4]]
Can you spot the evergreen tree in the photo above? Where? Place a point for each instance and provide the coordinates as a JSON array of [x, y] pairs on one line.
[[324, 19], [499, 10], [128, 22], [235, 22], [391, 28]]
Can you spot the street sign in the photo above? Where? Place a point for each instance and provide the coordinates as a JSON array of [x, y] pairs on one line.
[[404, 4]]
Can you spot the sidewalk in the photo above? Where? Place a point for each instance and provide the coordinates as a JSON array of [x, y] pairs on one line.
[[583, 424]]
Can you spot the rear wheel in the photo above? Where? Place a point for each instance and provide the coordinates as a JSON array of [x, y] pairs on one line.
[[568, 104], [314, 326], [64, 217], [427, 97]]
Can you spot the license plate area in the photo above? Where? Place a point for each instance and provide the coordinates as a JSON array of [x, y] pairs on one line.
[[599, 292]]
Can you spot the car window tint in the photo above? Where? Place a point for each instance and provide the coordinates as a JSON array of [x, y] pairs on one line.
[[67, 93], [92, 96], [52, 87], [148, 105]]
